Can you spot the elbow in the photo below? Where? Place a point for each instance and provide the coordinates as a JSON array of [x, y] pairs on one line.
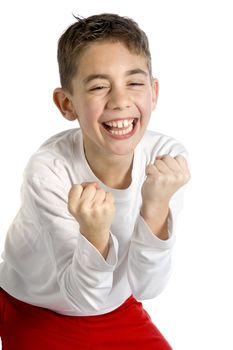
[[84, 299], [147, 293], [149, 288]]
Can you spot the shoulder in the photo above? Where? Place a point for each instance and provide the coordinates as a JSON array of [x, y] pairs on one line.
[[54, 156], [154, 143]]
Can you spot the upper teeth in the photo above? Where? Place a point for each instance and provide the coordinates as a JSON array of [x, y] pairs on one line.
[[120, 123]]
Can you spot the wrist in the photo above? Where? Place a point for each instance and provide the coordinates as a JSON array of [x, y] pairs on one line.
[[99, 240], [156, 218], [154, 209]]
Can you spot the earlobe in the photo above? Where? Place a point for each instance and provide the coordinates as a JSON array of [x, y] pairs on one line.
[[155, 92], [63, 102]]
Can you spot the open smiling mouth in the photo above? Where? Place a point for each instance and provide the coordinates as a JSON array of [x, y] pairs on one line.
[[121, 127]]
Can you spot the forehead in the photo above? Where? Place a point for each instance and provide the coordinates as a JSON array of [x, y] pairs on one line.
[[109, 57]]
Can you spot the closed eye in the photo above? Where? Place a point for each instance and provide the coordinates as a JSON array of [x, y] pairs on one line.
[[98, 88], [136, 84]]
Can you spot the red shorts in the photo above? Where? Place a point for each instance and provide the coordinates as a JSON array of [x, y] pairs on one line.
[[27, 327]]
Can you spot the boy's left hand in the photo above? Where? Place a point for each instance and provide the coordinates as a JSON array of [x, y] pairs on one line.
[[164, 178]]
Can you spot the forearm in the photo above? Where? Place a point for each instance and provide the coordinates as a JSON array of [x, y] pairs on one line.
[[88, 280], [149, 261]]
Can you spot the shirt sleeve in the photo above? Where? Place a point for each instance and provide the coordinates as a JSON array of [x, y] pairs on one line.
[[84, 277], [150, 258]]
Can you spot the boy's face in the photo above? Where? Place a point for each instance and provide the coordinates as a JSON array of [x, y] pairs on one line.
[[113, 97]]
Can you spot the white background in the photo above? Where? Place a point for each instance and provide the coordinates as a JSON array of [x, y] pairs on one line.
[[191, 45]]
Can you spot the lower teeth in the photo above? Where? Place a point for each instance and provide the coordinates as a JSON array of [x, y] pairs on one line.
[[121, 132]]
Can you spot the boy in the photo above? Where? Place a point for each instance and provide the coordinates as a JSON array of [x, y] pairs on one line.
[[98, 204]]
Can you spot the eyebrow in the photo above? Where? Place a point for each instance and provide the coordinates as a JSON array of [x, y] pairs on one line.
[[107, 77]]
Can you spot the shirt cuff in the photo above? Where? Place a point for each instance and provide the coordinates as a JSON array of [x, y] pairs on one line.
[[144, 235], [89, 255]]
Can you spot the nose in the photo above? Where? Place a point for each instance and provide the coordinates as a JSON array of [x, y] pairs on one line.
[[118, 99]]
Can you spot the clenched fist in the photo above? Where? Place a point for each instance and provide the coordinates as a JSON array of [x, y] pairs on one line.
[[94, 210], [164, 177]]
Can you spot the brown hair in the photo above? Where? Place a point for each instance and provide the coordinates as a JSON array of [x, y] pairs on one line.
[[97, 28]]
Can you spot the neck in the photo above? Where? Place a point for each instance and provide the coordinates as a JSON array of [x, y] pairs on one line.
[[113, 171]]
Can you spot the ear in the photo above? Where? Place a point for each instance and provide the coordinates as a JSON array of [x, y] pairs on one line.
[[62, 100], [155, 92]]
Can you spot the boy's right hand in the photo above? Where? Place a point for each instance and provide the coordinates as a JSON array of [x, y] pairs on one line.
[[94, 210]]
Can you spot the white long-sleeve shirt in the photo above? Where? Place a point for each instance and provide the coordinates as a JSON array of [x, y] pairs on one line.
[[47, 262]]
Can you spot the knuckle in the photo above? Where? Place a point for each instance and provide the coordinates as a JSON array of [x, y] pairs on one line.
[[179, 156], [82, 209], [167, 157], [110, 207], [96, 212], [160, 180], [150, 169], [76, 188], [101, 192], [158, 161], [110, 197]]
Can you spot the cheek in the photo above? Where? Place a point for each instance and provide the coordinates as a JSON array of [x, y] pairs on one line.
[[145, 105], [85, 116], [92, 110]]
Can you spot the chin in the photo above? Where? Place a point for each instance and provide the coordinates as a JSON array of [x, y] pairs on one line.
[[123, 150]]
